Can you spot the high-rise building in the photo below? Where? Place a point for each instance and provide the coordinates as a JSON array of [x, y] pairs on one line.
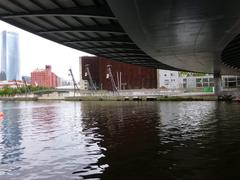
[[44, 77], [10, 62]]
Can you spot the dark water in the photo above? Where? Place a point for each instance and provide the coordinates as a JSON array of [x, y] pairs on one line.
[[120, 140]]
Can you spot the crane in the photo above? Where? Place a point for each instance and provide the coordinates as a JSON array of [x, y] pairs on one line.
[[74, 82], [109, 71], [92, 85]]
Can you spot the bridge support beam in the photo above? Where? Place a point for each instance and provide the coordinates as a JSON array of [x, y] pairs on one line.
[[217, 84]]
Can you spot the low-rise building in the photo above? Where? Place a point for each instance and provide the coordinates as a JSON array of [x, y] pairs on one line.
[[196, 81], [173, 80], [231, 81], [12, 84]]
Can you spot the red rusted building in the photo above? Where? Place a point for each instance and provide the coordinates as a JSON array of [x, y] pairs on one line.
[[126, 76], [44, 77]]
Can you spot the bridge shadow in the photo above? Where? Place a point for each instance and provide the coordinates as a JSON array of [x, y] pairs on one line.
[[166, 140]]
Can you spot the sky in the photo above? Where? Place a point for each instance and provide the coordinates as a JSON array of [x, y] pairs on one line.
[[36, 52]]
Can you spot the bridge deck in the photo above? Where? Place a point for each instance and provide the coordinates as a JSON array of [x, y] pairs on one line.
[[88, 26]]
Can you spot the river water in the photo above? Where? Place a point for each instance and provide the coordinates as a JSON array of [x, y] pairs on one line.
[[120, 140]]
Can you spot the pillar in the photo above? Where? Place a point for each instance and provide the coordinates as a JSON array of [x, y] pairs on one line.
[[217, 83]]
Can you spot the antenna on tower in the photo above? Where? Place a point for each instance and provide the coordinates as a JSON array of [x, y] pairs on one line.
[[74, 82], [109, 74], [92, 85]]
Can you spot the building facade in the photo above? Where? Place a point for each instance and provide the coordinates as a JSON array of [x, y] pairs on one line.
[[231, 81], [196, 81], [10, 62], [44, 77], [208, 81], [168, 79], [173, 80], [125, 76]]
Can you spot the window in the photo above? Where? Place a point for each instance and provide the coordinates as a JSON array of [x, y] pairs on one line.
[[211, 84], [211, 80], [166, 82], [205, 80], [199, 85], [232, 79], [198, 80], [205, 84]]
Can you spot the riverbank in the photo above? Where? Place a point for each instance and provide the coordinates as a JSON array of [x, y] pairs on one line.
[[18, 98], [127, 95], [143, 98], [204, 97]]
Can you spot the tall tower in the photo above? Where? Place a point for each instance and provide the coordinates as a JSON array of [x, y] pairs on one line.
[[3, 67], [10, 63]]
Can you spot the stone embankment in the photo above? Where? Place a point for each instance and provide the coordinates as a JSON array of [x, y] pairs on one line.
[[18, 98], [118, 97], [124, 95]]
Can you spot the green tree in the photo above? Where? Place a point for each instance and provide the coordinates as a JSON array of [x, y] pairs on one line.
[[8, 91], [189, 74]]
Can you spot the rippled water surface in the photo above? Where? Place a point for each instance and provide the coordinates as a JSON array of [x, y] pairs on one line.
[[120, 140]]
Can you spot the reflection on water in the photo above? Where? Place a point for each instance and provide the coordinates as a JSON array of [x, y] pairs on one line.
[[120, 140], [11, 137]]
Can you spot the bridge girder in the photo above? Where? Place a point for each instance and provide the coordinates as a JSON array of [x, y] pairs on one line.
[[94, 28], [88, 26], [92, 11]]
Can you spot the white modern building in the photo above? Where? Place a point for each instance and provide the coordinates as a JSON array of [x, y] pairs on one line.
[[196, 81], [9, 53], [231, 81], [173, 80]]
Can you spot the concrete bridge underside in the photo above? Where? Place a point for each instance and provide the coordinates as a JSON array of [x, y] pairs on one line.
[[199, 35]]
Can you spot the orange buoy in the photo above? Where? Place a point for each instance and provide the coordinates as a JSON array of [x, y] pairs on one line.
[[1, 115]]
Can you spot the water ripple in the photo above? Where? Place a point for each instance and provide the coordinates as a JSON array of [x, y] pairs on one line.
[[119, 140]]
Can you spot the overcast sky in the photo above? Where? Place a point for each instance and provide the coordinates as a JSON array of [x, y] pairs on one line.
[[36, 52]]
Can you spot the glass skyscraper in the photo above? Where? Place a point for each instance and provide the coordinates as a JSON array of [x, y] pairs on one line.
[[10, 63]]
